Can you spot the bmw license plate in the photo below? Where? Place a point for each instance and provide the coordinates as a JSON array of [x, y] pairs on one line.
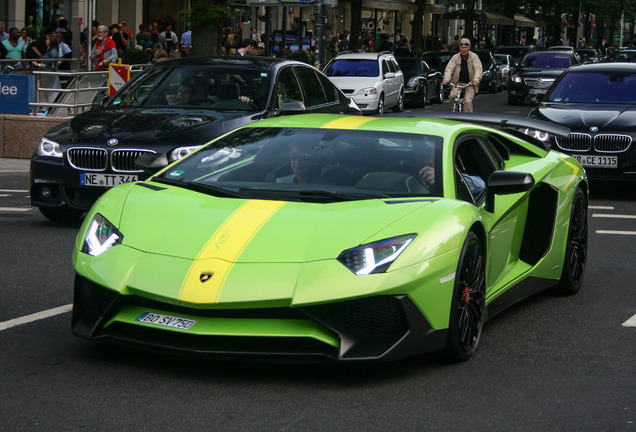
[[106, 180], [166, 320], [597, 161]]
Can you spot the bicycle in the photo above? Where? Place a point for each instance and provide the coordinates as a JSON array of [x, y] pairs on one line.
[[458, 103]]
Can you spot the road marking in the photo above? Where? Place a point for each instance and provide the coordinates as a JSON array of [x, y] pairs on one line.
[[616, 232], [35, 317], [630, 322], [4, 195], [601, 207], [613, 216], [16, 209], [13, 190]]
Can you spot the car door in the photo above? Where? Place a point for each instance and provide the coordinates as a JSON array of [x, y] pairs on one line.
[[475, 156], [388, 83], [318, 97]]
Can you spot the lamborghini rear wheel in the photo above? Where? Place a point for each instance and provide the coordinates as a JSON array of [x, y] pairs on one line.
[[468, 303], [576, 249]]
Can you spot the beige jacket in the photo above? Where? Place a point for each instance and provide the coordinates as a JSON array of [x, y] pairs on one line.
[[475, 70]]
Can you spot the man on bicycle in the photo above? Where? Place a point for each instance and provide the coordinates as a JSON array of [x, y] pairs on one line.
[[463, 68]]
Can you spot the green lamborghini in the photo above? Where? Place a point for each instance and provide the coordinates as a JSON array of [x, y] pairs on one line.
[[334, 237]]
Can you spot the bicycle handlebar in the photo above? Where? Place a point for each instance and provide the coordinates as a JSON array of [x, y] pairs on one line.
[[451, 84]]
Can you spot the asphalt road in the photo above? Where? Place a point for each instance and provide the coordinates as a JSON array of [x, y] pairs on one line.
[[547, 364]]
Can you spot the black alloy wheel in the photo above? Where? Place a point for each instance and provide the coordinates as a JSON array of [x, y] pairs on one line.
[[576, 250], [423, 96], [468, 305]]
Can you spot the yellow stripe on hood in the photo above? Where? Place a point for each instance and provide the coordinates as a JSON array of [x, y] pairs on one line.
[[223, 249], [352, 122]]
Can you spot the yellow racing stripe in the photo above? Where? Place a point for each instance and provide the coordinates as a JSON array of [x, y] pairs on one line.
[[223, 249], [352, 122]]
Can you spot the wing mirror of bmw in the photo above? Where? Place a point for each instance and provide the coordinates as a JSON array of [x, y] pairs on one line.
[[506, 183], [100, 100]]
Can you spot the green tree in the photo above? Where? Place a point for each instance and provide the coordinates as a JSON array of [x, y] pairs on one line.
[[207, 18]]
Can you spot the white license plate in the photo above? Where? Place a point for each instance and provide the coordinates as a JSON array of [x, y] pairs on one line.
[[106, 180], [538, 91], [166, 320], [597, 161]]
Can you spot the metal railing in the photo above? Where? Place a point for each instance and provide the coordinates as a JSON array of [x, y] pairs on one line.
[[75, 95]]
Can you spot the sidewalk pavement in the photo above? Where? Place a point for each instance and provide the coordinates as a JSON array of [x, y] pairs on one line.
[[9, 165]]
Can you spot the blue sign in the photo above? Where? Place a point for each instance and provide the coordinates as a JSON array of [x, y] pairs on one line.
[[16, 92]]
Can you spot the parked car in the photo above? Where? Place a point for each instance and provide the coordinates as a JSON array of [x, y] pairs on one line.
[[536, 73], [505, 63], [597, 103], [491, 78], [623, 56], [374, 80], [588, 55], [438, 60], [315, 237], [170, 109], [423, 84], [516, 51]]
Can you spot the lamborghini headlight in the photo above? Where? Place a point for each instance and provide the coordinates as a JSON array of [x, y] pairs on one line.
[[181, 152], [101, 236], [368, 91], [49, 148], [375, 257], [537, 134]]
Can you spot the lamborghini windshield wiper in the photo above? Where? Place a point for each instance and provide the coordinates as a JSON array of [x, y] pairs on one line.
[[201, 187]]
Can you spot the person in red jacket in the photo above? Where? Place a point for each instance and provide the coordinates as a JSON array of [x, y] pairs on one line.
[[104, 51]]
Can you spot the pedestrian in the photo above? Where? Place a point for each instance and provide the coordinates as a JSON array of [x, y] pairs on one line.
[[3, 35], [26, 39], [463, 68], [104, 52], [170, 38], [248, 48], [186, 37], [14, 47]]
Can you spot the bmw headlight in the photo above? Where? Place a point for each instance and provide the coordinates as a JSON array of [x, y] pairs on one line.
[[181, 152], [375, 257], [49, 148], [537, 134], [101, 236], [368, 91]]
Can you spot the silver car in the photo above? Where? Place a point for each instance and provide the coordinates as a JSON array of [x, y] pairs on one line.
[[505, 62]]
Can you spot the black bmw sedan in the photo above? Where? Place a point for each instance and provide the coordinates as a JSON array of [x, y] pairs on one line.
[[598, 103], [170, 109]]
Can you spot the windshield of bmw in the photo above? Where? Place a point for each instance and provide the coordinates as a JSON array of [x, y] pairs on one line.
[[206, 86], [595, 87], [321, 165], [353, 67]]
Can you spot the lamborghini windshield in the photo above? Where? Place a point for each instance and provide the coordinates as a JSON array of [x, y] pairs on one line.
[[596, 87], [197, 86], [313, 164]]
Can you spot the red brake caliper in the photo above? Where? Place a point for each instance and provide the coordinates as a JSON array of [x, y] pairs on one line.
[[466, 295]]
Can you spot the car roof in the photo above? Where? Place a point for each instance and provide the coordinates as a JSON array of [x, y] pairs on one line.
[[605, 67], [365, 56], [247, 61]]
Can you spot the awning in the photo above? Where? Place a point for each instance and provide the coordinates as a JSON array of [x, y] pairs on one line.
[[494, 18], [392, 5], [523, 21]]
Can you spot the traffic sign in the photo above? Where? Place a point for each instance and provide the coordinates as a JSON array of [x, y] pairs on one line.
[[118, 75]]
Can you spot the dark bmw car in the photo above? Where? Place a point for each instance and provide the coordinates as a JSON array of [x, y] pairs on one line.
[[598, 103], [536, 73], [170, 109], [422, 83]]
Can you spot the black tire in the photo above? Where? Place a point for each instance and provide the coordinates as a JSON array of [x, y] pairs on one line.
[[468, 304], [400, 105], [576, 250], [61, 214], [440, 94], [423, 96], [380, 109]]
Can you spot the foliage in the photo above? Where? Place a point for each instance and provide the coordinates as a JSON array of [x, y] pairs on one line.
[[203, 12], [133, 56], [299, 55]]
